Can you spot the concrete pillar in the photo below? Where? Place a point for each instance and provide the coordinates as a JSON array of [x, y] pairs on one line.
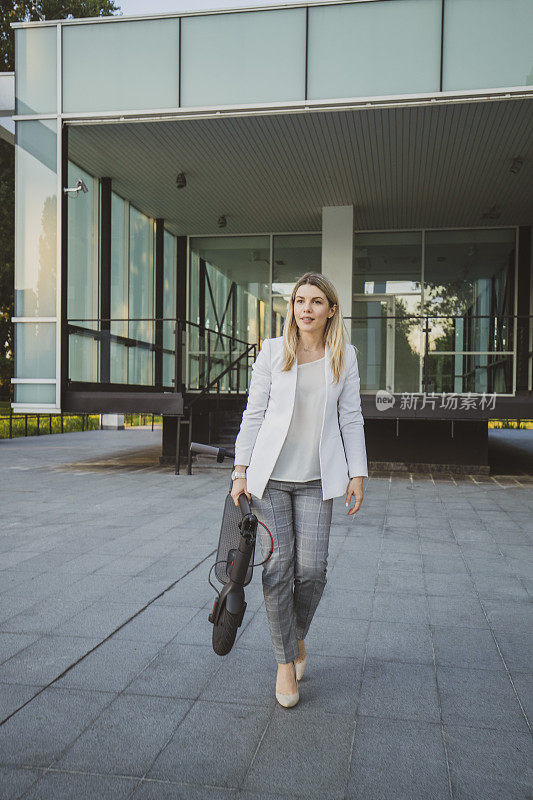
[[112, 422], [337, 252]]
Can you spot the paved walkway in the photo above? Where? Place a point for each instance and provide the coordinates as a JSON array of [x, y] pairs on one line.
[[419, 681]]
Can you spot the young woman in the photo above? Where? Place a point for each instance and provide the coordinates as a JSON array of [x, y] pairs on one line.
[[301, 443]]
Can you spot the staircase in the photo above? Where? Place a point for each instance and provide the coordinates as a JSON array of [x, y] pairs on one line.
[[225, 426]]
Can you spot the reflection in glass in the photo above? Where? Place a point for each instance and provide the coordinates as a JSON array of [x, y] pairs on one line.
[[35, 350], [35, 218], [386, 306], [36, 70], [141, 298], [228, 293], [119, 288], [469, 297], [487, 44], [363, 49], [293, 255], [250, 57], [475, 372], [121, 66], [41, 393], [83, 279], [169, 307]]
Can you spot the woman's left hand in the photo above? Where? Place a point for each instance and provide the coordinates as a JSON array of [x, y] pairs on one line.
[[355, 488]]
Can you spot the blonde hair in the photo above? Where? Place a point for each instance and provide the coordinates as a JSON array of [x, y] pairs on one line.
[[334, 333]]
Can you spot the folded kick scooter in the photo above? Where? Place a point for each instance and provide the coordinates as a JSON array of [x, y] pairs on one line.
[[236, 549]]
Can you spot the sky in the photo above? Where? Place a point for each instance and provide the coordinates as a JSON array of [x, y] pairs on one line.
[[132, 7]]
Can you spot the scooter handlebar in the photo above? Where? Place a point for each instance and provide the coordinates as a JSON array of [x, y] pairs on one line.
[[209, 450], [244, 503]]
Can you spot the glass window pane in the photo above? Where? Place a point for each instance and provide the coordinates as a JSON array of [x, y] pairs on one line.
[[35, 218], [83, 252], [487, 44], [469, 297], [231, 275], [293, 256], [386, 309], [169, 306], [365, 49], [121, 66], [83, 276], [36, 70], [119, 288], [35, 350], [141, 298], [250, 57], [32, 393]]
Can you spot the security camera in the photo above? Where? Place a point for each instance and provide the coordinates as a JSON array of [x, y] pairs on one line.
[[80, 184]]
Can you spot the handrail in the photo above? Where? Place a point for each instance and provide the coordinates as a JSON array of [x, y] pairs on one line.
[[218, 378]]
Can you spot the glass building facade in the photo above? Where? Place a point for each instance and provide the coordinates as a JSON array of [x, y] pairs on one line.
[[430, 308]]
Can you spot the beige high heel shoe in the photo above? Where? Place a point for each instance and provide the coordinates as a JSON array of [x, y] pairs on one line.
[[300, 665], [288, 700]]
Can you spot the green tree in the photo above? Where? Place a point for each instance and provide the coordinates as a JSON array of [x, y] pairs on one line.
[[23, 12]]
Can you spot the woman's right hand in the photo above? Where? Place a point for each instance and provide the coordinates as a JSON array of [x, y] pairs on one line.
[[239, 486]]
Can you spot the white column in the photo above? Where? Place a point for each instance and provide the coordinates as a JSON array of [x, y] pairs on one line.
[[337, 252], [113, 422]]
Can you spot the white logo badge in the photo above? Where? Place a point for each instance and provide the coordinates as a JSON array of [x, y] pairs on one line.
[[384, 400]]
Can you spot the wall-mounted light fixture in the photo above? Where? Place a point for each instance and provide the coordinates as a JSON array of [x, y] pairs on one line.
[[222, 221], [516, 166], [181, 181]]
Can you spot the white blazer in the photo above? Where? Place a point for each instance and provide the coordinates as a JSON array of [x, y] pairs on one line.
[[268, 413]]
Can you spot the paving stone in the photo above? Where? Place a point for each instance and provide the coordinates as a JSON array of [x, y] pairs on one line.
[[395, 759], [180, 670], [509, 615], [523, 682], [44, 660], [38, 733], [13, 643], [76, 786], [479, 698], [164, 790], [489, 763], [397, 641], [14, 781], [198, 750], [295, 772], [399, 691], [394, 607], [127, 736], [12, 696], [456, 612], [44, 616], [466, 647], [111, 666]]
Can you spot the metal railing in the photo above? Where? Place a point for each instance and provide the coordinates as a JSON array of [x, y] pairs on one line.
[[13, 426], [473, 349], [198, 353]]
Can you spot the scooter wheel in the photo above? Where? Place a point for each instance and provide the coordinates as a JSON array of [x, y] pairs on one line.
[[224, 632]]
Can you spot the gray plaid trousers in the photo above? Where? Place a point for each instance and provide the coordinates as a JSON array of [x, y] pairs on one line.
[[294, 577]]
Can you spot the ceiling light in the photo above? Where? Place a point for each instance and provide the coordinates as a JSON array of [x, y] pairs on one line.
[[181, 181]]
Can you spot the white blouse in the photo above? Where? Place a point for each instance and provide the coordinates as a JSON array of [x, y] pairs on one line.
[[299, 457]]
